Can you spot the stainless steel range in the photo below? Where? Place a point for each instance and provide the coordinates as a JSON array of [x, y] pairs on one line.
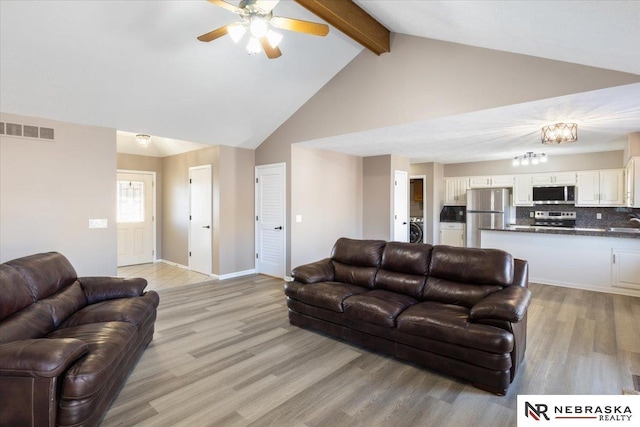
[[555, 219]]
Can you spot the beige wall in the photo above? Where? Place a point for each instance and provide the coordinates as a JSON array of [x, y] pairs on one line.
[[233, 207], [424, 78], [377, 197], [585, 161], [632, 149], [236, 242], [327, 192], [133, 162], [50, 189]]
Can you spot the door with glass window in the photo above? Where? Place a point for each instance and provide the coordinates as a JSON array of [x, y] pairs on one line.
[[135, 218]]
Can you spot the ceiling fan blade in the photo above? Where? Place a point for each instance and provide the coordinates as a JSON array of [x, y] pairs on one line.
[[267, 5], [212, 35], [300, 26], [225, 5], [272, 52]]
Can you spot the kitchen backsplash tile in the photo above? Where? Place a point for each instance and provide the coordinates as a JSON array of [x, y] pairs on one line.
[[585, 217]]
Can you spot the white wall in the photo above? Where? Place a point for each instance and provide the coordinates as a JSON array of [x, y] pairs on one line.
[[326, 190], [50, 189]]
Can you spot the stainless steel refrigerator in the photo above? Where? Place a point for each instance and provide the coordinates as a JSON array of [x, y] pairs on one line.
[[486, 208]]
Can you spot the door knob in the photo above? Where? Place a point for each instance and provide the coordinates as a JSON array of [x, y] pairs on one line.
[[278, 228], [206, 226]]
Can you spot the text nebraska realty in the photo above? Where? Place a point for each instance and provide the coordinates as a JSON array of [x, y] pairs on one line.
[[601, 413]]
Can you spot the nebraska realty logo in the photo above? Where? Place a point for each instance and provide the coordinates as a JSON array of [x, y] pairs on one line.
[[581, 410]]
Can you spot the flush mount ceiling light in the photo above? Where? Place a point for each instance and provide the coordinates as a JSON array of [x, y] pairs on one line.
[[143, 140], [258, 21], [560, 133], [530, 158]]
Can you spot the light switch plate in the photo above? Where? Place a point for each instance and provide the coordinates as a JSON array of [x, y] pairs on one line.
[[598, 216], [98, 223], [298, 218]]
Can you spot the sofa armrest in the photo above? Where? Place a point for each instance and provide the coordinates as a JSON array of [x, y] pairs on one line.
[[508, 304], [319, 271], [40, 357], [104, 288]]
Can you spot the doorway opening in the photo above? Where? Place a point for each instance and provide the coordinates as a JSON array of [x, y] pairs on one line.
[[418, 209]]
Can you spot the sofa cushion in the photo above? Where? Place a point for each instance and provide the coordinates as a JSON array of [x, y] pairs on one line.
[[329, 295], [108, 344], [472, 265], [354, 275], [450, 323], [34, 321], [64, 303], [14, 291], [361, 253], [136, 311], [379, 307], [448, 292], [403, 268], [46, 273]]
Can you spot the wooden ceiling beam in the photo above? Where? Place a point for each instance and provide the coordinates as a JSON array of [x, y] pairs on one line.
[[352, 20]]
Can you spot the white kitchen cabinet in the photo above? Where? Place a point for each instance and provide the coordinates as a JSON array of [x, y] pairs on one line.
[[455, 191], [625, 268], [600, 188], [523, 191], [491, 181], [452, 234], [632, 178], [556, 178]]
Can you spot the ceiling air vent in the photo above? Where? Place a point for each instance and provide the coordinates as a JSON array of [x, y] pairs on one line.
[[27, 131]]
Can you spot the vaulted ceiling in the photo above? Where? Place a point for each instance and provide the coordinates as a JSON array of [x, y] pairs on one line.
[[136, 66]]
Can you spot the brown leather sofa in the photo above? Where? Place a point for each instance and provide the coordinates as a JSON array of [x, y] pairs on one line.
[[461, 311], [67, 344]]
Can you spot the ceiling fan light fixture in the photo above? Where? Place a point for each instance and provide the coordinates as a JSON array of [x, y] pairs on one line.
[[258, 27], [236, 31], [274, 38], [253, 46]]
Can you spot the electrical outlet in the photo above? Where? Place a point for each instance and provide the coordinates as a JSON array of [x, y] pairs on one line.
[[298, 218], [530, 214], [98, 223], [598, 215]]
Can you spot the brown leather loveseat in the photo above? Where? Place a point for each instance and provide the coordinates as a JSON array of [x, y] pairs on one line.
[[67, 344], [461, 311]]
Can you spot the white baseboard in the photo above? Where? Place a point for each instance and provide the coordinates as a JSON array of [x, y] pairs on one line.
[[233, 275], [175, 264], [608, 290]]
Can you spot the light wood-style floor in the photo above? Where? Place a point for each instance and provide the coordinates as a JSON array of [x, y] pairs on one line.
[[224, 354], [161, 275]]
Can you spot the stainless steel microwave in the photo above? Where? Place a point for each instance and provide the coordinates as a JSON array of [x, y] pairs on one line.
[[560, 195]]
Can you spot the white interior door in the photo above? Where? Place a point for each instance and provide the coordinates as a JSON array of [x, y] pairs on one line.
[[270, 220], [135, 218], [200, 219], [401, 207]]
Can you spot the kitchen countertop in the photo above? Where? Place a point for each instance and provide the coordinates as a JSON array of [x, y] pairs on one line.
[[603, 232]]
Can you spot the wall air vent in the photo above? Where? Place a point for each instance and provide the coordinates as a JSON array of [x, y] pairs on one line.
[[14, 129], [47, 133], [27, 131]]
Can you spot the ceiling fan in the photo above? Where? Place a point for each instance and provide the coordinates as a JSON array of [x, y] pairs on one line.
[[257, 18]]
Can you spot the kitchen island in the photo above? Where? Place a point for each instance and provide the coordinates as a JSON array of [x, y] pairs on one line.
[[585, 258]]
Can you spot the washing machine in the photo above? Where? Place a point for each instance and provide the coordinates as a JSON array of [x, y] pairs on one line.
[[416, 229]]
